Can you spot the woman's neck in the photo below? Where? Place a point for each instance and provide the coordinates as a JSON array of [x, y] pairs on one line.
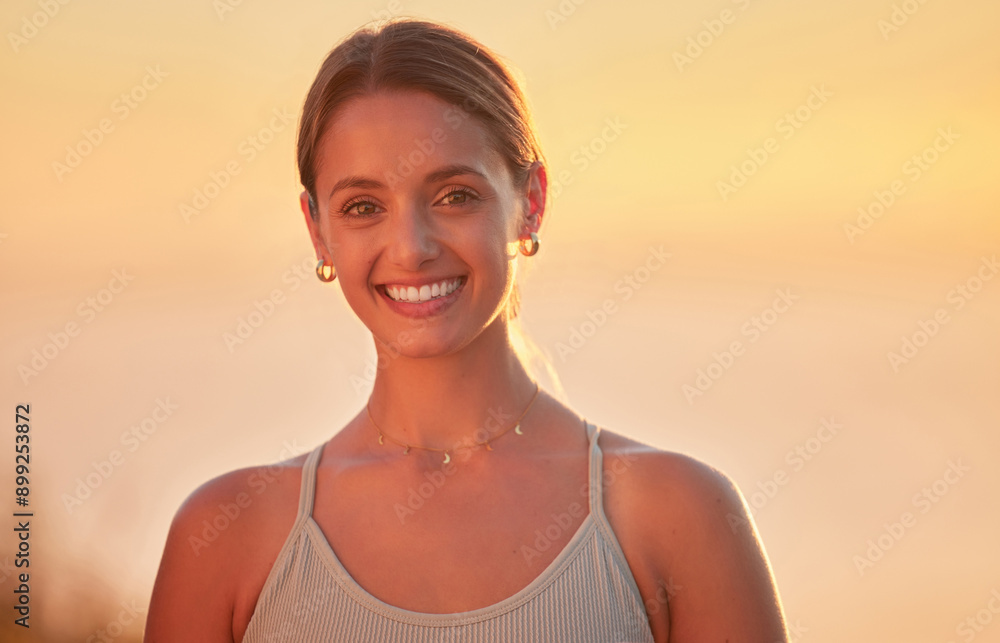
[[468, 396]]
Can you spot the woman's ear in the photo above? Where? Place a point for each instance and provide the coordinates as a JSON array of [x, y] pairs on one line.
[[537, 189], [307, 203], [308, 206]]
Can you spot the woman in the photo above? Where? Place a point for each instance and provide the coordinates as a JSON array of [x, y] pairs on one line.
[[462, 503]]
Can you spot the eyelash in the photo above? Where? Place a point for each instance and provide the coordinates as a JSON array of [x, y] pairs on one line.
[[361, 200]]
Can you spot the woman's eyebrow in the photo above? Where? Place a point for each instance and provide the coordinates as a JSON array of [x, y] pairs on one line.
[[452, 170], [437, 175], [354, 182]]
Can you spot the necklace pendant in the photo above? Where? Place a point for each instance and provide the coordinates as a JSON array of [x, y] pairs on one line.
[[380, 439], [488, 447], [406, 451], [517, 429], [447, 458]]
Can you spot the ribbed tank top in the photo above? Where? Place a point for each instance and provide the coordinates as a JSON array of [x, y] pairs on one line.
[[587, 594]]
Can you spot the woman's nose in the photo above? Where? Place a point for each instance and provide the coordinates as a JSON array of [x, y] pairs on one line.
[[411, 238]]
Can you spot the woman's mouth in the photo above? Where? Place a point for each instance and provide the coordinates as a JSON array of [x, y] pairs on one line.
[[424, 300], [427, 292]]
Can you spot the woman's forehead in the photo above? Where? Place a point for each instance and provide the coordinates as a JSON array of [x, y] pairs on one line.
[[391, 136], [404, 107]]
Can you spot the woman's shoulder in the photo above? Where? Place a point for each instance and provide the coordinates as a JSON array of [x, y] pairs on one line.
[[669, 505], [669, 479], [687, 531], [222, 542], [234, 501], [253, 479]]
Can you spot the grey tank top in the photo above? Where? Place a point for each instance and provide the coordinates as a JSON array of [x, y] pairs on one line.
[[586, 595]]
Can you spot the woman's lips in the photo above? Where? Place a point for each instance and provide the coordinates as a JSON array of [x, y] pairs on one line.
[[422, 308], [419, 292]]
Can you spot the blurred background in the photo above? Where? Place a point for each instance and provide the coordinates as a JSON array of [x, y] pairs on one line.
[[824, 329]]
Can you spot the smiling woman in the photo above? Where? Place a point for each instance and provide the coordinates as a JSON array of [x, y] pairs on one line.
[[522, 521]]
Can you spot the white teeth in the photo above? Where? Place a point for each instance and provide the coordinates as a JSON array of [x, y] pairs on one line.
[[425, 293]]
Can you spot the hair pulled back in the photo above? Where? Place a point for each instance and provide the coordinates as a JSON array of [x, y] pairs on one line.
[[417, 55]]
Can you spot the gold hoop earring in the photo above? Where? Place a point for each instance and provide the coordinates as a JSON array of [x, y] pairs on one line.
[[528, 251], [325, 271]]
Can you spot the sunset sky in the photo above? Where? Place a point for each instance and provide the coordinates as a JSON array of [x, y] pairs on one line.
[[823, 177]]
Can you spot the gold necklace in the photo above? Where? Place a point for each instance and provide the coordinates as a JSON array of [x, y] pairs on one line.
[[447, 456]]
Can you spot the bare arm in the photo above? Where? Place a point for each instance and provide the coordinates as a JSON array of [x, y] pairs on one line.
[[706, 546], [193, 594]]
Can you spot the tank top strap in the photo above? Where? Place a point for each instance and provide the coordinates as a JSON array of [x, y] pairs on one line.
[[595, 485], [307, 493]]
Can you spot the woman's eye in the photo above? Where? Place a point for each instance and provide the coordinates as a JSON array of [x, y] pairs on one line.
[[362, 208], [458, 197], [359, 209]]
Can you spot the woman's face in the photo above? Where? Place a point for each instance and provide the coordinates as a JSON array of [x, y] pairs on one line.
[[420, 218]]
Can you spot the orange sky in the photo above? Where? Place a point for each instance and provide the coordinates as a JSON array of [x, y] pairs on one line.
[[806, 111]]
